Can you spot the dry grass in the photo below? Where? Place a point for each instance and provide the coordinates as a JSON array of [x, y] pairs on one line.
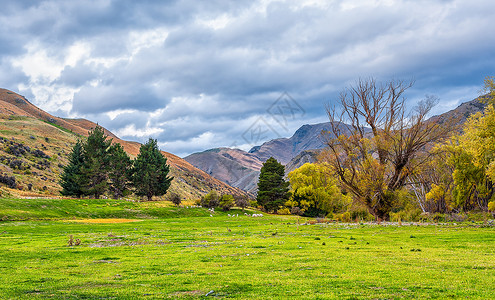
[[105, 221]]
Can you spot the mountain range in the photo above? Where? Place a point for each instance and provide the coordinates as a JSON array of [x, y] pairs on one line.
[[34, 146], [241, 169]]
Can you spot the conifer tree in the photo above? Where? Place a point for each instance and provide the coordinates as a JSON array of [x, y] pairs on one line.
[[150, 171], [96, 164], [119, 171], [72, 179], [273, 190]]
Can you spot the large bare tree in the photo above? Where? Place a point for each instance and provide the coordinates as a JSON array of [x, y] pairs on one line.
[[377, 144]]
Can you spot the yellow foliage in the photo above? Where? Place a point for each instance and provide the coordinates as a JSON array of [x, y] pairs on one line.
[[313, 185]]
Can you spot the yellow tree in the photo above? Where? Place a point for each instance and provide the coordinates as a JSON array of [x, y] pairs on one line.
[[472, 155], [315, 191], [376, 144]]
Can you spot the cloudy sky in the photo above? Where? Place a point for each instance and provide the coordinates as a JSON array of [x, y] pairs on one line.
[[203, 74]]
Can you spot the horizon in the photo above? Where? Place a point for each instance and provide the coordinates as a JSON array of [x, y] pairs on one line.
[[198, 76]]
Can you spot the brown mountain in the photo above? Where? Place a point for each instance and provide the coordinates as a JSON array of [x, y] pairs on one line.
[[24, 128], [241, 169], [461, 113], [233, 166]]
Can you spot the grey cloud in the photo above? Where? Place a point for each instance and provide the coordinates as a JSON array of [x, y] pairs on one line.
[[109, 98], [77, 76], [240, 69]]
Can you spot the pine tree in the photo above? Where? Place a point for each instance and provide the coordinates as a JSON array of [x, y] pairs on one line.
[[273, 190], [119, 170], [150, 170], [96, 162], [72, 179]]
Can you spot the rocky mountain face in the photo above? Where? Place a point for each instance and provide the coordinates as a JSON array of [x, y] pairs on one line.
[[34, 147], [242, 169], [460, 114], [233, 166], [285, 149]]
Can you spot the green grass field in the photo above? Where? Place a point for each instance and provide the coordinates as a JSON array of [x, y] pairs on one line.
[[184, 253]]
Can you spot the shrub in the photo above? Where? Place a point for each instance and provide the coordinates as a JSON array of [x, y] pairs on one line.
[[8, 180], [296, 210], [226, 202], [210, 200], [283, 211], [253, 203], [343, 217], [40, 154], [175, 199], [241, 201], [491, 206]]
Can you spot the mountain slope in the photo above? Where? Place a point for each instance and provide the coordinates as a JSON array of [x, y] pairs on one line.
[[285, 149], [232, 166], [24, 125]]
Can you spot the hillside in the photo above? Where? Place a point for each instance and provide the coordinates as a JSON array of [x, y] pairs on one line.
[[232, 166], [462, 112], [27, 130]]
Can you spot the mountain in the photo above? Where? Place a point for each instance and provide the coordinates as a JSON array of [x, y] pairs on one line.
[[242, 169], [34, 146], [285, 149], [233, 166], [461, 113]]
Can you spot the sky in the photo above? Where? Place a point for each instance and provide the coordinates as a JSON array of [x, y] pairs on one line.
[[203, 74]]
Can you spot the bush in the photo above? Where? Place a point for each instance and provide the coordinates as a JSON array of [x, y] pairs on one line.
[[175, 199], [296, 211], [491, 206], [344, 217], [283, 211], [410, 215], [253, 203], [210, 200], [361, 214], [8, 180], [226, 202], [40, 154], [241, 201]]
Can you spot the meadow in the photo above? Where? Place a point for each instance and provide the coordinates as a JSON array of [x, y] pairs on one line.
[[153, 250]]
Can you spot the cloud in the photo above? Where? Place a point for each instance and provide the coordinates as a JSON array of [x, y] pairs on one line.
[[199, 74]]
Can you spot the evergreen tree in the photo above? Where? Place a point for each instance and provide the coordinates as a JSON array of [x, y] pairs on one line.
[[72, 179], [96, 162], [150, 170], [119, 170], [273, 190]]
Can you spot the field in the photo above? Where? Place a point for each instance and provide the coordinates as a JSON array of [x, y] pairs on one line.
[[152, 250]]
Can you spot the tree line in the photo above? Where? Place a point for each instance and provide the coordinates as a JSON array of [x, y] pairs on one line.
[[383, 159], [97, 167]]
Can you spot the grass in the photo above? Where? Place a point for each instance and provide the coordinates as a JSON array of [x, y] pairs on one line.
[[184, 253]]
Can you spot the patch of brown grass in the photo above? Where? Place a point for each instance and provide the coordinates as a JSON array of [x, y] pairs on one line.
[[105, 221]]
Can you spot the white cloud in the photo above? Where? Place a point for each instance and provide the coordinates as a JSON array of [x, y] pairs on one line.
[[130, 131]]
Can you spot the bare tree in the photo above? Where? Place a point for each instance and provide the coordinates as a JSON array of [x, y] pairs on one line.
[[376, 143]]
